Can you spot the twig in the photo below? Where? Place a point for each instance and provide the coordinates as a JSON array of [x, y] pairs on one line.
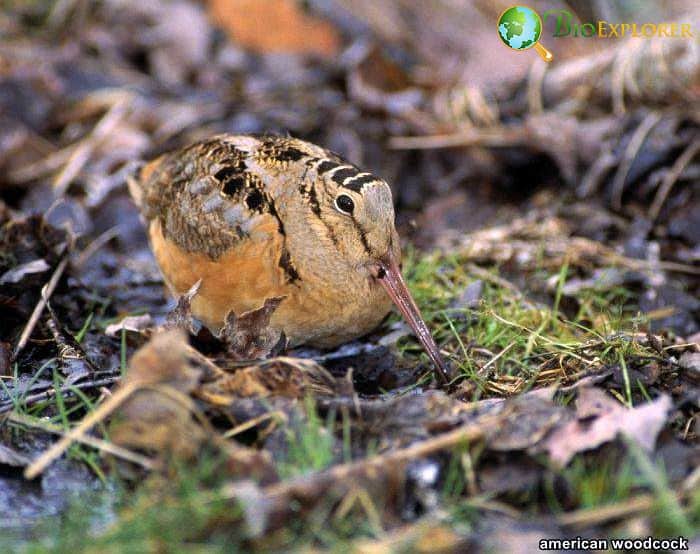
[[535, 80], [99, 444], [102, 411], [595, 173], [624, 59], [495, 358], [645, 264], [603, 514], [671, 177], [252, 423], [81, 155], [96, 244], [635, 144], [47, 165], [498, 136], [32, 399], [406, 539], [46, 293], [310, 489]]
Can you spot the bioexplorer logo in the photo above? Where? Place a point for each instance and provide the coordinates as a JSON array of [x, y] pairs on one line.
[[520, 28]]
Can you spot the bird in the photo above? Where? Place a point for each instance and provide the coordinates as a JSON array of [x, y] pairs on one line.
[[253, 217]]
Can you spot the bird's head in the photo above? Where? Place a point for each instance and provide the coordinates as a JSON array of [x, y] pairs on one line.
[[357, 209]]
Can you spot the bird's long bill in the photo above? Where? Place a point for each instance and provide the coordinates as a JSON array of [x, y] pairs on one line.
[[392, 280]]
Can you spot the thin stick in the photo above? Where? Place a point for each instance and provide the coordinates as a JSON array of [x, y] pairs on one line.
[[96, 244], [99, 444], [535, 80], [635, 144], [46, 293], [81, 155], [378, 465], [31, 399], [603, 514], [47, 165], [102, 411], [496, 357], [671, 177], [498, 136], [252, 423]]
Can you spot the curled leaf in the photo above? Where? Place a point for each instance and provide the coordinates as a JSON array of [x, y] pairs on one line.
[[599, 419], [249, 336]]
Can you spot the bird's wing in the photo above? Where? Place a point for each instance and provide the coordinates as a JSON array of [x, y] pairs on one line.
[[205, 197]]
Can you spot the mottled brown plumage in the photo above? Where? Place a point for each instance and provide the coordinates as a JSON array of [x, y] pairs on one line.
[[259, 217]]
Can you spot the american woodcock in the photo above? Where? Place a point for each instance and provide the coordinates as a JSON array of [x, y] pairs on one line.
[[260, 217]]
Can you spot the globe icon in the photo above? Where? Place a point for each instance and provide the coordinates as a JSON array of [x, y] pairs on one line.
[[520, 28]]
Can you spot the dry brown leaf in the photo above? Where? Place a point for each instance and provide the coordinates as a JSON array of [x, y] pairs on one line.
[[530, 417], [599, 419], [9, 456], [285, 377], [133, 323], [249, 336], [158, 416], [162, 416], [181, 315], [380, 84], [275, 26], [16, 274]]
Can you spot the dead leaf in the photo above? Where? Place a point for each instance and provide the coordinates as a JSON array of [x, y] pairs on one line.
[[133, 323], [285, 377], [175, 36], [380, 84], [249, 336], [181, 316], [181, 36], [18, 273], [9, 456], [599, 419], [158, 416], [161, 415], [530, 417], [275, 26]]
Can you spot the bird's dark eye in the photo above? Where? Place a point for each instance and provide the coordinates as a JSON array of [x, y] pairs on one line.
[[344, 204]]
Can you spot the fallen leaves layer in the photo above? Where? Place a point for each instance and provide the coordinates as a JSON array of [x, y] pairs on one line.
[[159, 414], [533, 422], [600, 419], [162, 414], [275, 26], [278, 377]]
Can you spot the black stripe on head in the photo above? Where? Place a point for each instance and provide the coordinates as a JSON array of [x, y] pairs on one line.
[[346, 173], [290, 154], [325, 166], [358, 182]]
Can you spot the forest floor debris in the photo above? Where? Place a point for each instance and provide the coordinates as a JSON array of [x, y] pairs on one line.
[[567, 306]]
